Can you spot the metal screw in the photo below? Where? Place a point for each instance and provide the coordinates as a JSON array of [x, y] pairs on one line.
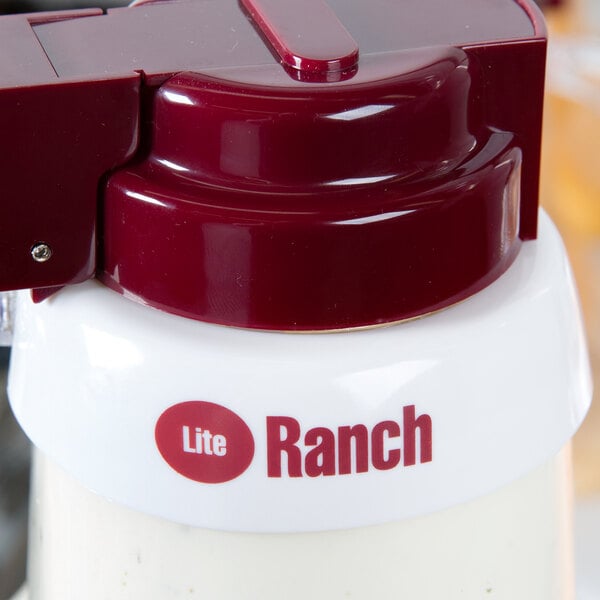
[[41, 252]]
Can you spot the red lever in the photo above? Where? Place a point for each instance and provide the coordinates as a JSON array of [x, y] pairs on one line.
[[307, 35]]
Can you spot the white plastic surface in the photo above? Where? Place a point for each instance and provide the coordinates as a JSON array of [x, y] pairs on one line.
[[503, 376], [22, 594], [7, 310]]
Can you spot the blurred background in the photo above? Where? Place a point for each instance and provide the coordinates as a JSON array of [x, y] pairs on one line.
[[23, 6], [571, 181], [570, 193]]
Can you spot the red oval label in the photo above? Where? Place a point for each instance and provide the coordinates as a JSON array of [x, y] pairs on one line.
[[204, 441]]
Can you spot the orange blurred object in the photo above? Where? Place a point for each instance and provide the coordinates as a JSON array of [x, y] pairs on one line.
[[571, 185]]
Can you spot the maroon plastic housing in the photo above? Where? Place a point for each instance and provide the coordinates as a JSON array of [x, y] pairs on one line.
[[275, 164]]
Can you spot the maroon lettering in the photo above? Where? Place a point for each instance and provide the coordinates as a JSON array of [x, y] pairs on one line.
[[325, 452], [411, 424], [346, 435], [379, 459], [277, 445], [321, 459]]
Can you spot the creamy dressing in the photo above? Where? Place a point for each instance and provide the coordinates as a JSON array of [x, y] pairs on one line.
[[513, 544]]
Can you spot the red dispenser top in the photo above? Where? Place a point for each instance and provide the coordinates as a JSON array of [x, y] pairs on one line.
[[276, 164]]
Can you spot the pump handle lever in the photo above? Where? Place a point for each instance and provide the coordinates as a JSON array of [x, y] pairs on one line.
[[59, 136]]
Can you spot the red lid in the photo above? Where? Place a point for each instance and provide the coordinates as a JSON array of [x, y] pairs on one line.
[[285, 164]]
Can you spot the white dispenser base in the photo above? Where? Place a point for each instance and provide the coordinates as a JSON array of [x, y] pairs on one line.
[[503, 378]]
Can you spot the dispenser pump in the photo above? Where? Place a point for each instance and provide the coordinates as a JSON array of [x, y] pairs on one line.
[[273, 164]]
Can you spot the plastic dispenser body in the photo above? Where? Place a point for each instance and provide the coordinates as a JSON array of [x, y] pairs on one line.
[[320, 346]]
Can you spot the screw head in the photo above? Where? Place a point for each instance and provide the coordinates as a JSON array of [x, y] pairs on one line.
[[41, 252]]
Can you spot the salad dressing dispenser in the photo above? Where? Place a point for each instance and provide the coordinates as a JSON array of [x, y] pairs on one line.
[[297, 328]]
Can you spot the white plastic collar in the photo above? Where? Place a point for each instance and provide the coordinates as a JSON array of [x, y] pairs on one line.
[[502, 379]]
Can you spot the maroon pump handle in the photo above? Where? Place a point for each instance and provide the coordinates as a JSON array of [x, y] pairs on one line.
[[164, 149]]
